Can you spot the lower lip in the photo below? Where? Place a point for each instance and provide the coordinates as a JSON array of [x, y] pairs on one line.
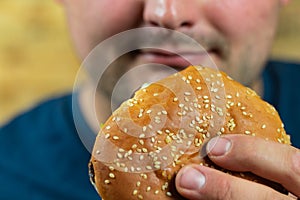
[[178, 61]]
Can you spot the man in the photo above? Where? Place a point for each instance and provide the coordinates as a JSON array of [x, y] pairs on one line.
[[236, 34]]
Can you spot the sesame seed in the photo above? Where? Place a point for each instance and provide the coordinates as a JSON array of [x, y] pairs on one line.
[[111, 175], [108, 127], [156, 192], [278, 130], [107, 135], [144, 128], [138, 184], [144, 176], [144, 150], [263, 126], [169, 194], [198, 88], [157, 166], [119, 155], [148, 167], [148, 189], [157, 162], [168, 139], [98, 152], [152, 139], [155, 94], [126, 169], [132, 169], [107, 182], [135, 192], [122, 165], [247, 132], [173, 148], [141, 142], [164, 112], [115, 137], [214, 90], [111, 168]]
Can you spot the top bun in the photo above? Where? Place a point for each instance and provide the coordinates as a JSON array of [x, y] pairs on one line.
[[142, 146]]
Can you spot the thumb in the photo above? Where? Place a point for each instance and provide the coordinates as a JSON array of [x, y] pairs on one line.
[[199, 182]]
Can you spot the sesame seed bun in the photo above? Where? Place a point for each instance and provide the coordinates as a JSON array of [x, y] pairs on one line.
[[150, 137]]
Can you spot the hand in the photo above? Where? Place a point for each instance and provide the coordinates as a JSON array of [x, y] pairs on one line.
[[271, 160]]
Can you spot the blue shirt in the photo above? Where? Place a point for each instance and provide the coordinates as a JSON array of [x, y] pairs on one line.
[[42, 156], [282, 90]]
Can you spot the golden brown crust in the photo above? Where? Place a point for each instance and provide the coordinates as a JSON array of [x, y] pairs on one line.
[[162, 128]]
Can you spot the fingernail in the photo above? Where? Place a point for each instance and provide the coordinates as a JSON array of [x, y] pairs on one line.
[[192, 179], [218, 146]]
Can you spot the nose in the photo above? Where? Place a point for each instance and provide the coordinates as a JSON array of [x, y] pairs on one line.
[[172, 14]]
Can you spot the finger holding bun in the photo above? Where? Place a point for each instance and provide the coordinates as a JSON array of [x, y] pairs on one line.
[[150, 137]]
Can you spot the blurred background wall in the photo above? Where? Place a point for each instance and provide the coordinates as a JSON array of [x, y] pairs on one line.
[[37, 59]]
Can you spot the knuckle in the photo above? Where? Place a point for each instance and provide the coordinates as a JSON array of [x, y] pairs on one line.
[[295, 163], [292, 165], [249, 153], [223, 190]]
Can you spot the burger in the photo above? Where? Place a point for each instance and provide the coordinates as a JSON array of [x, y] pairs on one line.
[[165, 126]]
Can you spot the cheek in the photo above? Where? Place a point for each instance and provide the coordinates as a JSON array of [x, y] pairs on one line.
[[239, 19], [114, 16], [92, 21], [249, 28]]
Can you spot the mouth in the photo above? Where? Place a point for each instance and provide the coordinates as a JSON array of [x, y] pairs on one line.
[[178, 59]]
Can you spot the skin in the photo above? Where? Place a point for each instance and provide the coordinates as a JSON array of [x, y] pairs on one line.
[[242, 45], [238, 35]]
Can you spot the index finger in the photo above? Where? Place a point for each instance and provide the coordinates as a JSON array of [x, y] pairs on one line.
[[271, 160]]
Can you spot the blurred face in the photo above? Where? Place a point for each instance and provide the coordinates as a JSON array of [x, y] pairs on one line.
[[237, 34]]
